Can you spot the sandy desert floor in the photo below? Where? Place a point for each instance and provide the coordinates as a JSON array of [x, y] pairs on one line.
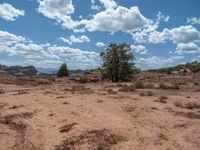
[[96, 116]]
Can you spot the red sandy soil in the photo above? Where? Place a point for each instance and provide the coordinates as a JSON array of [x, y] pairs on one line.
[[71, 116]]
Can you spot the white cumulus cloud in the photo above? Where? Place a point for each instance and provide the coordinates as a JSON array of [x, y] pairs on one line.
[[100, 44], [193, 20], [109, 3], [46, 55], [182, 34], [72, 39], [116, 19], [59, 10], [139, 49], [7, 38], [187, 48], [9, 13]]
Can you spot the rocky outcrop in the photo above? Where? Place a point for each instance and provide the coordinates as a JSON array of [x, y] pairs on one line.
[[18, 70], [185, 69]]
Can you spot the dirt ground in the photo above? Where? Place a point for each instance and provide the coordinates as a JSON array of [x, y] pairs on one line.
[[97, 116]]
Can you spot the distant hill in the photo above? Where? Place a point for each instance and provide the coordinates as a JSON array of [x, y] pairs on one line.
[[193, 67], [77, 72], [46, 70], [54, 71], [18, 70]]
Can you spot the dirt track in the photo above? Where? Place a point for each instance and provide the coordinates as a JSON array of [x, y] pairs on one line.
[[96, 116]]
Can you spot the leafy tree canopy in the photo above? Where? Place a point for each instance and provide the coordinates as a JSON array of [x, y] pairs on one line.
[[118, 63], [63, 71]]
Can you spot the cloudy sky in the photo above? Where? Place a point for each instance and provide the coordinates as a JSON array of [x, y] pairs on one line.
[[46, 33]]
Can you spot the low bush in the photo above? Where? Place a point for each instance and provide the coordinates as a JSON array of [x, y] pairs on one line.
[[166, 86], [163, 86], [1, 91], [192, 105], [150, 93], [150, 86], [83, 79], [178, 104], [142, 93], [139, 85]]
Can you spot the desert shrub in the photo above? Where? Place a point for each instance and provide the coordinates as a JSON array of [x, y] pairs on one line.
[[189, 106], [75, 79], [143, 93], [175, 87], [165, 86], [150, 86], [196, 83], [192, 105], [120, 85], [197, 90], [139, 85], [178, 104], [1, 91], [150, 93], [51, 79], [67, 90], [63, 71], [163, 97], [83, 79], [127, 88]]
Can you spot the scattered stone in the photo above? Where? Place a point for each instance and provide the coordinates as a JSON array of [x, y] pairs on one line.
[[92, 140], [67, 127]]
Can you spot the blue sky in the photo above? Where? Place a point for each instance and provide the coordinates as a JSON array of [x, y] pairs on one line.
[[46, 33]]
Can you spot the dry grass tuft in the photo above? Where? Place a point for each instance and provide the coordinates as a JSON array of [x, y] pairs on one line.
[[144, 93], [92, 139], [178, 104], [127, 88], [190, 115], [190, 105], [59, 97], [139, 85], [167, 87], [20, 92], [150, 93], [2, 91], [150, 86]]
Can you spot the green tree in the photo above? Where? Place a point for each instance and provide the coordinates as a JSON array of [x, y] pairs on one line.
[[63, 71], [118, 63]]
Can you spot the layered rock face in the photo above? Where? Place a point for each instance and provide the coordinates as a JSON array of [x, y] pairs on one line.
[[18, 70]]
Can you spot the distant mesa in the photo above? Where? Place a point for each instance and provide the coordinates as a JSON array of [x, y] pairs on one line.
[[18, 70], [32, 71]]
